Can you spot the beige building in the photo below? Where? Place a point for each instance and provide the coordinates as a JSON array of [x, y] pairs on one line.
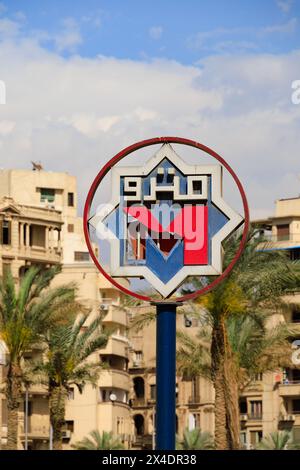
[[39, 226], [271, 402]]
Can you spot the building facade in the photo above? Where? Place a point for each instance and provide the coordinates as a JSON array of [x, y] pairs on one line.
[[39, 226], [270, 403]]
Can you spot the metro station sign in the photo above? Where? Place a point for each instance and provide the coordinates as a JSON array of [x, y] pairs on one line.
[[166, 220]]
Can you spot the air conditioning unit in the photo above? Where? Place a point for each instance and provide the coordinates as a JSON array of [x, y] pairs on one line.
[[243, 417], [66, 434], [136, 364], [104, 307], [289, 418]]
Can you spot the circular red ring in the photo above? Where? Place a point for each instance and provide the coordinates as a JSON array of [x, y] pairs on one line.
[[139, 145]]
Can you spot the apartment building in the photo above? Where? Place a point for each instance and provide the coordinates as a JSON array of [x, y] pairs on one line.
[[39, 226], [194, 398], [275, 402], [271, 402]]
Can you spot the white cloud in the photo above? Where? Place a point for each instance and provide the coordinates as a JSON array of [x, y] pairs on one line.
[[284, 5], [285, 28], [8, 28], [70, 37], [75, 113], [155, 32], [237, 39]]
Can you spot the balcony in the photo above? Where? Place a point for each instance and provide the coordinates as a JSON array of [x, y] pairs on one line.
[[117, 345], [40, 254], [290, 389], [282, 240], [37, 389], [140, 364], [114, 378], [138, 402], [115, 314], [35, 432], [255, 418]]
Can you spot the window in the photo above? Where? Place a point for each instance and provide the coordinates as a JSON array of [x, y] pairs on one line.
[[5, 232], [256, 409], [296, 406], [153, 392], [69, 426], [243, 438], [71, 199], [71, 394], [255, 437], [243, 406], [70, 228], [81, 256], [295, 375], [258, 377], [195, 390], [296, 316], [37, 236], [48, 195], [197, 420], [138, 357], [283, 232]]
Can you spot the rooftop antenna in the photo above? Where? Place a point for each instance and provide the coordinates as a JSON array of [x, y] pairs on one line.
[[37, 166]]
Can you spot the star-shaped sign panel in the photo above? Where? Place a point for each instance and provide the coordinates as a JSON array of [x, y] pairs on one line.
[[166, 221]]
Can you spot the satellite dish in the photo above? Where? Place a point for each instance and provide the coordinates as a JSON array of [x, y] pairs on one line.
[[112, 397]]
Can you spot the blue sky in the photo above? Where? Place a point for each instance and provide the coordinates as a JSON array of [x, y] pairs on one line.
[[86, 79], [185, 31]]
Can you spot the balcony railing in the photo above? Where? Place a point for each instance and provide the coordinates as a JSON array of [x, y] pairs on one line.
[[138, 402], [290, 388], [282, 238], [255, 417]]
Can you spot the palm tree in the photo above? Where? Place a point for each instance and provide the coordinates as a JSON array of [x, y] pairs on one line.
[[257, 284], [279, 440], [256, 348], [69, 347], [97, 441], [195, 440], [25, 315]]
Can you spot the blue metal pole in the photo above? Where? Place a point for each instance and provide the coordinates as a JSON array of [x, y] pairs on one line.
[[166, 375]]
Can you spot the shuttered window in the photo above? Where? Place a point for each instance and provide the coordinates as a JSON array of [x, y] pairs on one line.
[[283, 232], [47, 194]]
